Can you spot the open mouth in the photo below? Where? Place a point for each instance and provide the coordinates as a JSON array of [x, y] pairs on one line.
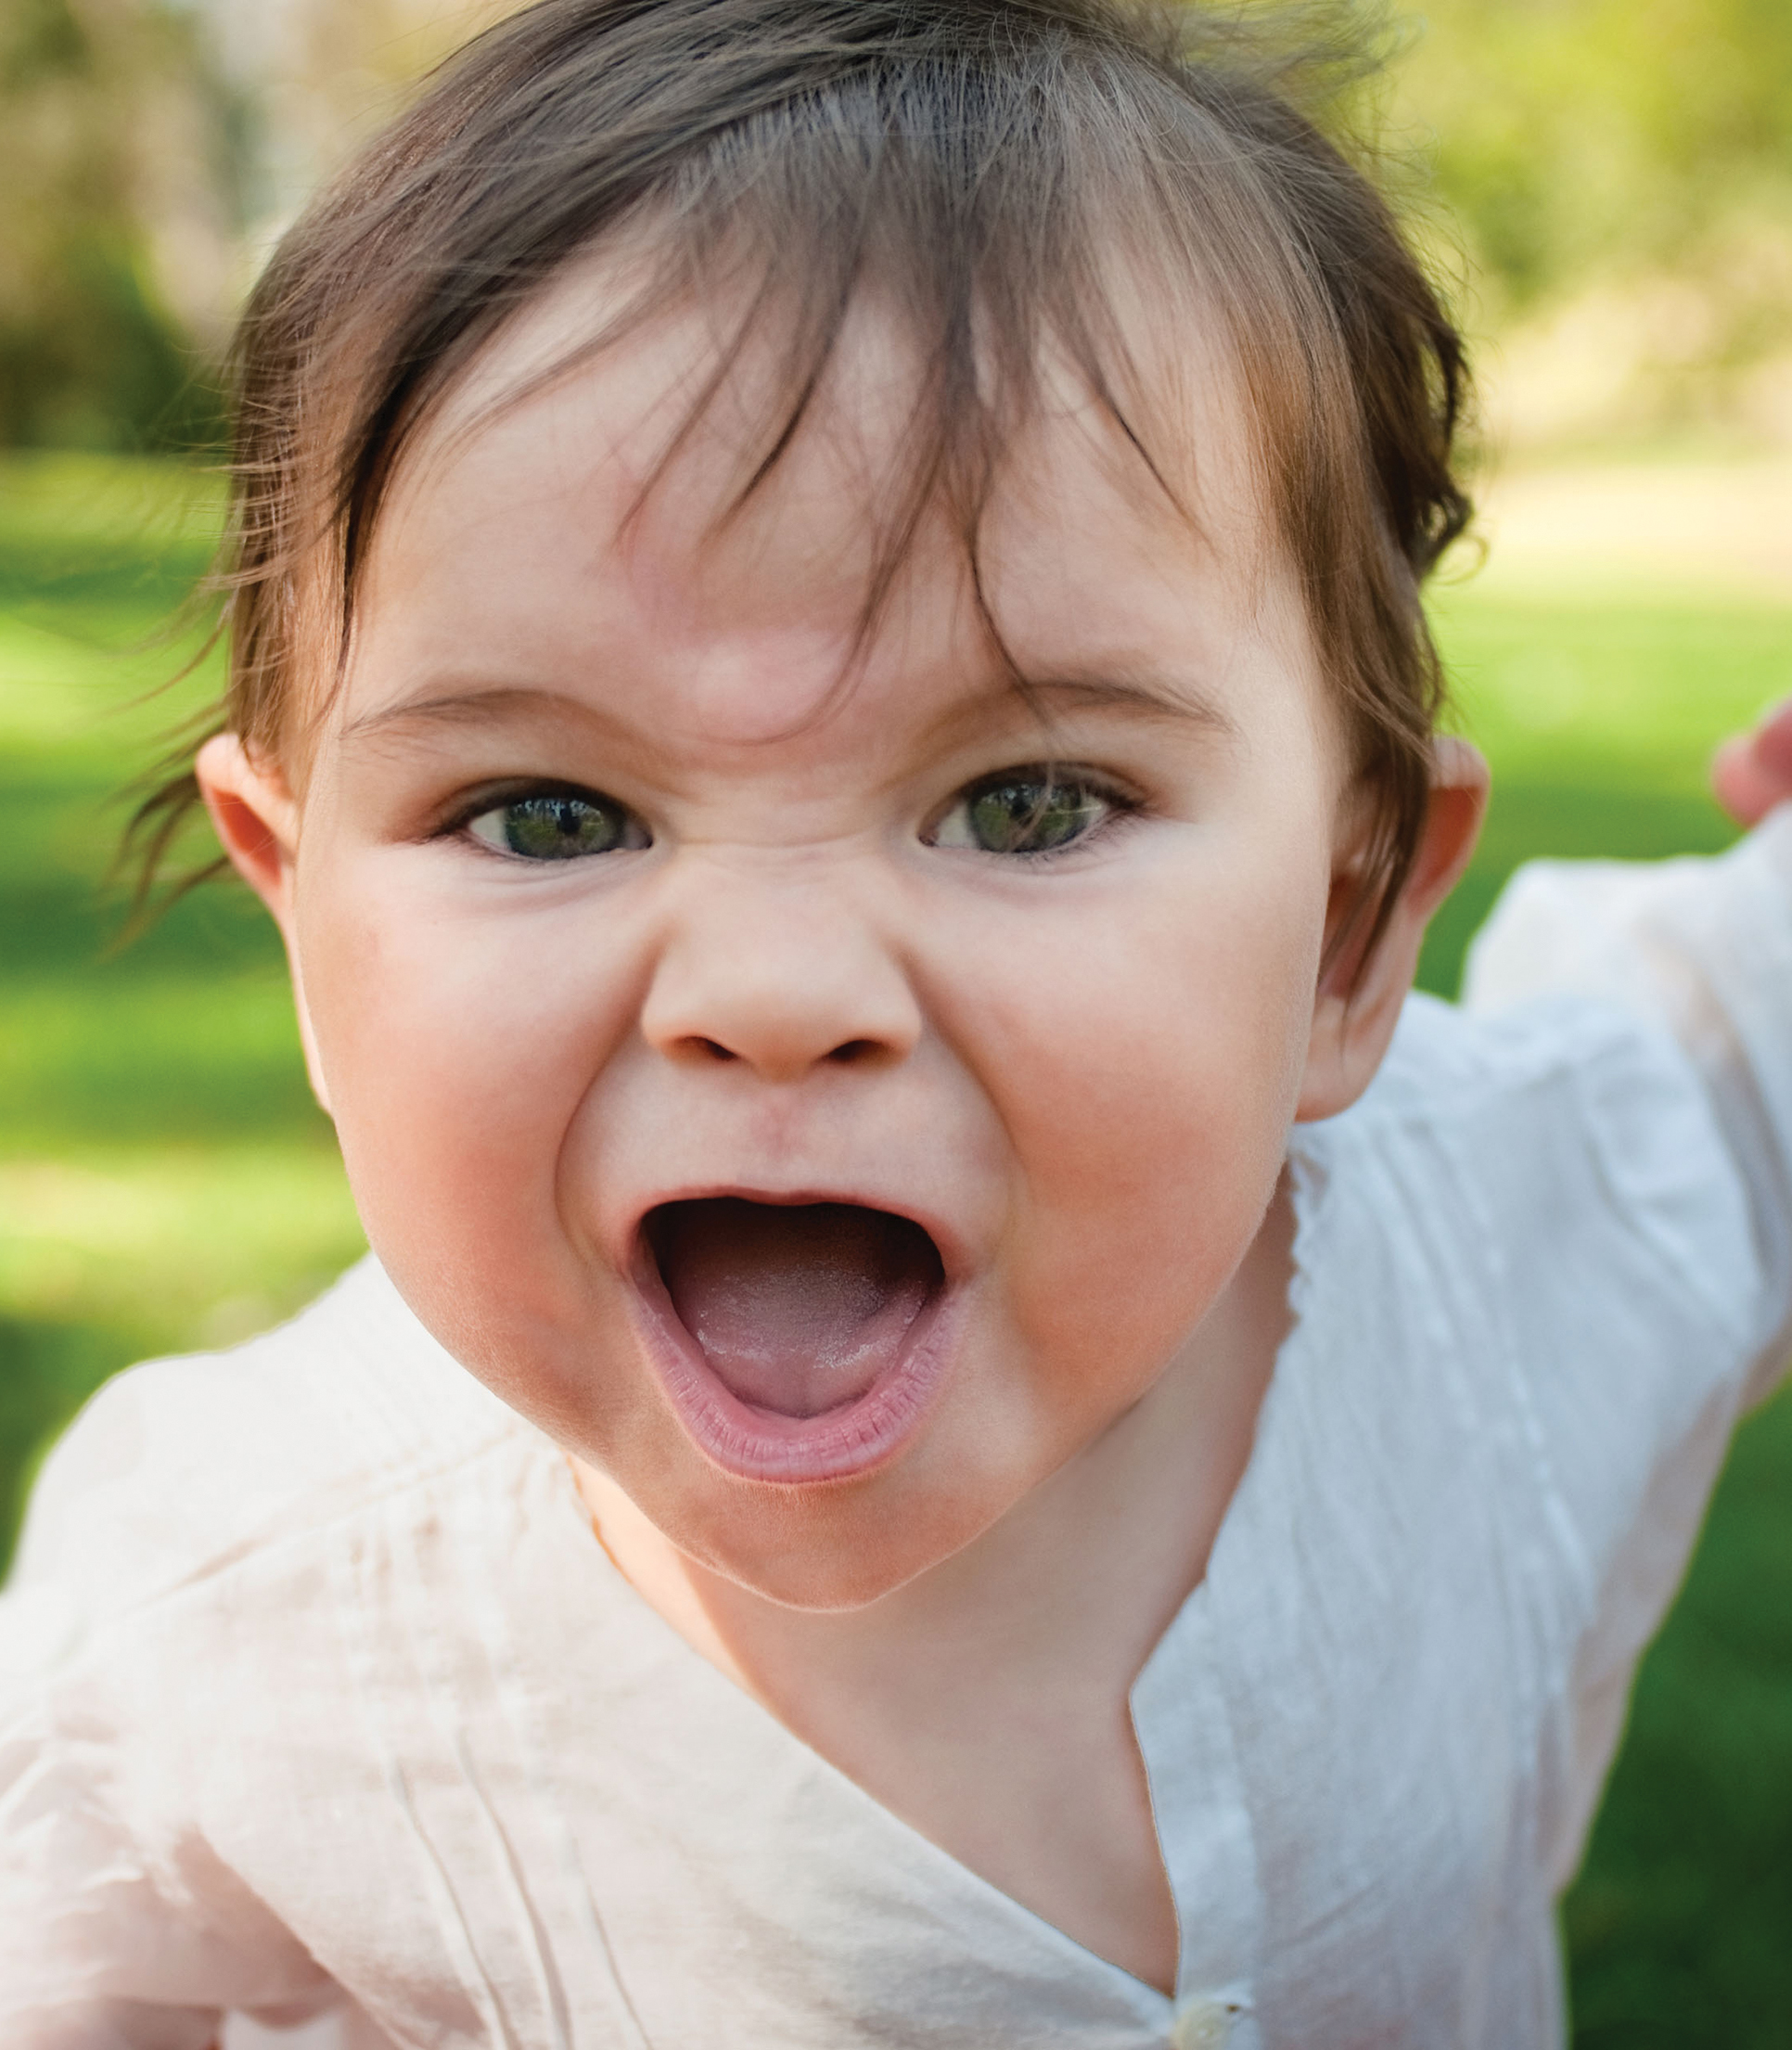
[[804, 1337]]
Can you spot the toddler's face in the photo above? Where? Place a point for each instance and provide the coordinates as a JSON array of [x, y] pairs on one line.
[[823, 1097]]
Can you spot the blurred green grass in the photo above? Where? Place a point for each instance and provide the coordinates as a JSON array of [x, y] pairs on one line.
[[165, 1180]]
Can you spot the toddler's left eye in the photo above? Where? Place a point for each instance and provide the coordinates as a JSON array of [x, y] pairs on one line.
[[1025, 812], [556, 825]]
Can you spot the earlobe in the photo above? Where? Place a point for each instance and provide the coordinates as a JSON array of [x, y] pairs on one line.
[[256, 818], [1358, 1002]]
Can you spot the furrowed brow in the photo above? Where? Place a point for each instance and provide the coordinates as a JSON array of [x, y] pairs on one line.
[[1139, 696], [482, 705]]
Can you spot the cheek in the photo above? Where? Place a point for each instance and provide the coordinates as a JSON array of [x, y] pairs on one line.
[[458, 1046], [1147, 1085]]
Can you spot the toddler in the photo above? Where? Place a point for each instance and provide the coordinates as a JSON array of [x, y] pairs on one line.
[[967, 1428]]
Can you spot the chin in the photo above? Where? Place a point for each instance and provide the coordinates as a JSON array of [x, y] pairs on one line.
[[820, 1549]]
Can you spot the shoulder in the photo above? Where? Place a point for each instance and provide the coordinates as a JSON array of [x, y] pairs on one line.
[[1538, 1211], [1561, 1157], [218, 1553], [1448, 1064], [179, 1469], [1562, 1123]]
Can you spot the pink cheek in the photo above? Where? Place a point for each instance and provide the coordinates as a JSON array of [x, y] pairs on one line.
[[1145, 1142], [1118, 1101], [457, 1060]]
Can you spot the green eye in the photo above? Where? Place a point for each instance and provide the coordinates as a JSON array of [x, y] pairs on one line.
[[1024, 813], [558, 826]]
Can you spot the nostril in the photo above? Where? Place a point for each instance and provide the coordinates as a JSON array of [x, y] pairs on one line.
[[853, 1049], [711, 1049]]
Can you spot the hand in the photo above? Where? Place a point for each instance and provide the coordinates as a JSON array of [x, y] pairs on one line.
[[1752, 772]]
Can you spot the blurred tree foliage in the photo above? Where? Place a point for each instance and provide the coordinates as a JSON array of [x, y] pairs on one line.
[[1580, 138], [1577, 145], [107, 145], [1615, 180]]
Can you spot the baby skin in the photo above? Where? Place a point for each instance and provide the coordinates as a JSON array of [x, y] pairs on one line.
[[838, 1096]]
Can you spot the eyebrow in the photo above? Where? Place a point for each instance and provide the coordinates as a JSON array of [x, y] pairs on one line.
[[478, 705], [1139, 694]]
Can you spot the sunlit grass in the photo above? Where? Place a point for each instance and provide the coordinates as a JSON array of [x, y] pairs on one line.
[[216, 1242], [1599, 714], [134, 1060], [165, 1180]]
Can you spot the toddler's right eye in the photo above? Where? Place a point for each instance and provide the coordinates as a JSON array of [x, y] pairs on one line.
[[556, 825]]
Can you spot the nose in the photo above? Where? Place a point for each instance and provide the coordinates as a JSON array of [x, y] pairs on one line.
[[780, 975]]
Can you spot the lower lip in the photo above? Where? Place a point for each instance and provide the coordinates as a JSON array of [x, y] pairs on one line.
[[837, 1444]]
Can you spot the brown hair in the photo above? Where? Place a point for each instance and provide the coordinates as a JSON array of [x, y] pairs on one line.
[[982, 162]]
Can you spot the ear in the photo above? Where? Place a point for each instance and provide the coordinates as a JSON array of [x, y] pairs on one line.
[[256, 817], [1359, 998]]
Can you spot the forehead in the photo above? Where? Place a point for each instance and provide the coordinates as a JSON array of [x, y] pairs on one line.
[[576, 498]]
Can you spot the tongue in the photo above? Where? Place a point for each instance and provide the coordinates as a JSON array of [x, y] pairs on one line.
[[798, 1308]]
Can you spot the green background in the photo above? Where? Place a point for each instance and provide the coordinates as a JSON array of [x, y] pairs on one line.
[[166, 1181]]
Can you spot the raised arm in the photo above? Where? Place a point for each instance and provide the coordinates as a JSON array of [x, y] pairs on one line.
[[1703, 946]]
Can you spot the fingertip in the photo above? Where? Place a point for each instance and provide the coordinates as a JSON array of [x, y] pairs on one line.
[[1773, 740], [1742, 783]]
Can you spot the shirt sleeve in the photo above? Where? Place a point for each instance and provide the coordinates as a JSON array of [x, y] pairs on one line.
[[1703, 945], [120, 1927]]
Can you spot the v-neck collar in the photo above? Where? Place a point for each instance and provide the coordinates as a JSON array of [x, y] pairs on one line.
[[1179, 1717], [1180, 1713]]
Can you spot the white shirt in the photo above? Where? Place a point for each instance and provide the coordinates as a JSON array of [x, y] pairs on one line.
[[317, 1694]]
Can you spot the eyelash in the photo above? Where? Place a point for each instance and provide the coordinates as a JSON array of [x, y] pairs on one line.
[[1124, 807], [500, 797]]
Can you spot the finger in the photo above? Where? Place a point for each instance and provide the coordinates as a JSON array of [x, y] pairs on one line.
[[1745, 788], [1773, 741]]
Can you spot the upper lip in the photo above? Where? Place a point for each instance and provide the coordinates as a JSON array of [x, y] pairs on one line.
[[955, 1255]]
